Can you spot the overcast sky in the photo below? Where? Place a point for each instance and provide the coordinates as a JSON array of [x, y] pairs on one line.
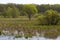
[[31, 1]]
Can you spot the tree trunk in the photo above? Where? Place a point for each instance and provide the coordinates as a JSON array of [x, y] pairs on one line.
[[30, 18]]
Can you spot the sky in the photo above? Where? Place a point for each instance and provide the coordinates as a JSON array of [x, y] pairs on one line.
[[30, 1]]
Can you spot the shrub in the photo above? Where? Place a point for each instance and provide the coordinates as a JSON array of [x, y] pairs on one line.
[[50, 17]]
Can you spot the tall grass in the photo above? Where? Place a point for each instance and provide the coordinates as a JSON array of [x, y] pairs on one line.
[[28, 27]]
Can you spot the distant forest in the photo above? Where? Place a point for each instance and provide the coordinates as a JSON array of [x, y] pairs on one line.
[[6, 10]]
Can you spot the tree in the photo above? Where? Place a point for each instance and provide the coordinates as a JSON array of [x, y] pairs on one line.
[[11, 12], [8, 12], [50, 17], [30, 10], [15, 12], [4, 13], [43, 7]]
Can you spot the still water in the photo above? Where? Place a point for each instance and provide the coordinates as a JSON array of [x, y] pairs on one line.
[[37, 37], [23, 38]]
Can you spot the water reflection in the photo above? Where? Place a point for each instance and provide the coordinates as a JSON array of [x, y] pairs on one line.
[[10, 37], [58, 38], [23, 38]]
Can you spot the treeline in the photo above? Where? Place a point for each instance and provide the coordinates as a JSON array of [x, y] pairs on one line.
[[16, 10], [19, 7], [44, 7], [45, 13]]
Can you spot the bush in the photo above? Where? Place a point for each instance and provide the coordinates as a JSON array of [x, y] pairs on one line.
[[50, 17]]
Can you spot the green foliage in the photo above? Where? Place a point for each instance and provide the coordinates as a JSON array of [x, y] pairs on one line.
[[4, 13], [8, 12], [18, 36], [28, 35], [15, 12], [44, 7], [11, 12], [41, 19], [30, 10], [50, 17]]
